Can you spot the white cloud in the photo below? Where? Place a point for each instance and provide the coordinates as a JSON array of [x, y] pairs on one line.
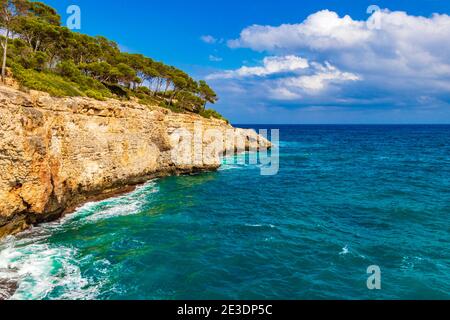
[[318, 80], [282, 93], [323, 29], [271, 65], [324, 75], [208, 39], [215, 58], [286, 77], [352, 63], [411, 45], [351, 73]]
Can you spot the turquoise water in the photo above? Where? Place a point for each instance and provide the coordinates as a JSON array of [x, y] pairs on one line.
[[346, 197]]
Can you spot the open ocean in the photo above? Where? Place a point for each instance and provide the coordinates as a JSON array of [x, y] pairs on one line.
[[346, 198]]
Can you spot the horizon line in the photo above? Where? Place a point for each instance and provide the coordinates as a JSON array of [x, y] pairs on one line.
[[342, 124]]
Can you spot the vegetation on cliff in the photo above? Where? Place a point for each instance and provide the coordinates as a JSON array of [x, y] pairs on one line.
[[44, 55]]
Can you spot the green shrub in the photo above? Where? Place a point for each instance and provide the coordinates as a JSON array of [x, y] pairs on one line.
[[144, 90], [173, 108], [47, 82], [69, 70], [95, 94], [210, 113], [56, 85], [117, 90], [40, 61], [45, 55]]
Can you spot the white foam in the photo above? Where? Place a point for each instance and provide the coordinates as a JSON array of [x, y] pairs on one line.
[[226, 167], [122, 206], [39, 267], [271, 226], [344, 251]]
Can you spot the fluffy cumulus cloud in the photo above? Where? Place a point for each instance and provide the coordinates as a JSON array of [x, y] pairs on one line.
[[318, 81], [385, 35], [321, 30], [322, 76], [271, 66], [391, 58], [287, 77], [387, 44]]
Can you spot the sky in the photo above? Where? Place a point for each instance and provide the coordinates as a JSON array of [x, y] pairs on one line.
[[296, 61]]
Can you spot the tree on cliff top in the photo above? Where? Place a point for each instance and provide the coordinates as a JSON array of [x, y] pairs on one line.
[[46, 56], [206, 93], [38, 27], [10, 11]]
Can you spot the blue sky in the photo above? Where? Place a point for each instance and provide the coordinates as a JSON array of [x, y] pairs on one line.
[[295, 61]]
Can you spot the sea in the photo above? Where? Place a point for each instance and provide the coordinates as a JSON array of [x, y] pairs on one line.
[[354, 212]]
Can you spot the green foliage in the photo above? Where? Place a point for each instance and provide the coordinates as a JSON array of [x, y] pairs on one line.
[[57, 85], [68, 69], [38, 60], [94, 94], [144, 91], [117, 90], [44, 12], [190, 102], [172, 107], [206, 93], [148, 100], [47, 56], [210, 113], [48, 82]]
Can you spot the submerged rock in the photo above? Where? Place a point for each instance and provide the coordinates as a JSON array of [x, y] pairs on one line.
[[7, 288]]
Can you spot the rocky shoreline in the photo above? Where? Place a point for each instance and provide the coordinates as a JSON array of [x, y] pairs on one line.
[[57, 153], [7, 288]]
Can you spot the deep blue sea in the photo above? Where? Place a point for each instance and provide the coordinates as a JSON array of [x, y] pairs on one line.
[[345, 198]]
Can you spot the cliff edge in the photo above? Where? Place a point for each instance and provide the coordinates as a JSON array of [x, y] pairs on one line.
[[56, 153]]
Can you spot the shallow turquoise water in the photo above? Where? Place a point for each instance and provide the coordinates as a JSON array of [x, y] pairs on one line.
[[346, 197]]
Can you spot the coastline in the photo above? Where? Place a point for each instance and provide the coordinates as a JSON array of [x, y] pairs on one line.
[[190, 225], [25, 220], [8, 286], [57, 153]]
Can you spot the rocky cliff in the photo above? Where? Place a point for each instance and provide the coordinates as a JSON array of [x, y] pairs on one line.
[[56, 153]]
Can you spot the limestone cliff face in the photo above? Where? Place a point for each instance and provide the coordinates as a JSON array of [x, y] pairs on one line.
[[56, 153]]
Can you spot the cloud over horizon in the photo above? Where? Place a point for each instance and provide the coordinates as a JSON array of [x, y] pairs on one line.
[[390, 59], [271, 65], [287, 77]]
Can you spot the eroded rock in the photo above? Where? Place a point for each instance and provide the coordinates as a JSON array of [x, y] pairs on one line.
[[56, 153]]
